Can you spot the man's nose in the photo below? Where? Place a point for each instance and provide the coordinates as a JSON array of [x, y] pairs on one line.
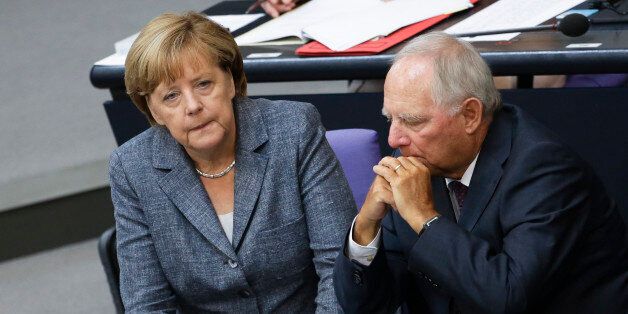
[[397, 136]]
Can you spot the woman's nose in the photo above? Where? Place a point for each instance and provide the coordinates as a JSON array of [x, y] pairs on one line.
[[192, 104]]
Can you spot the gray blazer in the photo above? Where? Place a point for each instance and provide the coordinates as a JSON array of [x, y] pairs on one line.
[[292, 209]]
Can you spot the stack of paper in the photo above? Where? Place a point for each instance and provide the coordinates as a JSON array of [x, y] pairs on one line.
[[508, 14], [231, 22], [342, 24]]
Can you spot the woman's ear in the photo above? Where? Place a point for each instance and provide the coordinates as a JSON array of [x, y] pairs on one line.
[[152, 111], [232, 90]]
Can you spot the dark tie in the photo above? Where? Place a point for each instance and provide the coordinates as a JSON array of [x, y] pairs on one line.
[[460, 191]]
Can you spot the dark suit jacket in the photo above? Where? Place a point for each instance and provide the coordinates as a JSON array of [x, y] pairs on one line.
[[292, 207], [537, 234]]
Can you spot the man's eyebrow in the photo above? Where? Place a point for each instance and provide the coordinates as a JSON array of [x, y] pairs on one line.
[[406, 117], [385, 113], [410, 117]]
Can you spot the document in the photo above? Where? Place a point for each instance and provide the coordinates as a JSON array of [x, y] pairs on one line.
[[505, 14], [232, 22], [364, 24], [291, 24], [340, 25]]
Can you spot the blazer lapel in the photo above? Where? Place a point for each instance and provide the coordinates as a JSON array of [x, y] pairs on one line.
[[250, 166], [182, 185], [488, 170]]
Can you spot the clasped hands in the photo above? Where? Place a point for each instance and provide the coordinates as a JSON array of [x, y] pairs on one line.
[[403, 183]]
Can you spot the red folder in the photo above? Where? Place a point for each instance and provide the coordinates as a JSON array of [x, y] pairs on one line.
[[372, 47]]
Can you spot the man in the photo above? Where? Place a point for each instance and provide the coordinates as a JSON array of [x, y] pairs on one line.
[[490, 213]]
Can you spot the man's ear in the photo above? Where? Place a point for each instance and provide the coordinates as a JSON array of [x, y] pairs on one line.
[[471, 110]]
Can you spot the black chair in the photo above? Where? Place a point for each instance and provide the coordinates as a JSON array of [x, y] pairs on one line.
[[109, 260]]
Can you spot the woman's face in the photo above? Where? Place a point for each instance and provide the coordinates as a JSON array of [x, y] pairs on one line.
[[197, 107]]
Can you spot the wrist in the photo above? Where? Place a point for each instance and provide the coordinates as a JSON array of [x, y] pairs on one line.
[[429, 223], [365, 229], [420, 220]]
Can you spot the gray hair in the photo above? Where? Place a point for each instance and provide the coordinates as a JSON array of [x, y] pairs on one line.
[[459, 71]]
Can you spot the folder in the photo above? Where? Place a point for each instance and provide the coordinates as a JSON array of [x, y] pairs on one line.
[[376, 46], [371, 47], [340, 25]]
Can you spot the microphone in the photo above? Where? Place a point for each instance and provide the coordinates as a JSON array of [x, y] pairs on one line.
[[572, 25]]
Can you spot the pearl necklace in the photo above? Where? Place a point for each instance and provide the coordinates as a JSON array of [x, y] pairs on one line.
[[216, 175]]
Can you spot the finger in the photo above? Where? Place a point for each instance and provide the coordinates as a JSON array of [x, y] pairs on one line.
[[389, 199], [383, 193], [287, 1], [270, 9], [406, 164], [282, 8], [381, 183], [415, 161], [389, 162], [385, 172], [274, 1]]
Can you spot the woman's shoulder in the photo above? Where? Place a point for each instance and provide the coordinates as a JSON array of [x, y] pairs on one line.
[[137, 146], [286, 113]]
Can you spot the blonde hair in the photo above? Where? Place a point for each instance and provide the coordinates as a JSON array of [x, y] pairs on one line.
[[157, 54]]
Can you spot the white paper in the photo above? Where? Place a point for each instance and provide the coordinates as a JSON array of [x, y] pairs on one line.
[[505, 14], [583, 45], [123, 46], [115, 59], [293, 22], [257, 55], [363, 24], [231, 22]]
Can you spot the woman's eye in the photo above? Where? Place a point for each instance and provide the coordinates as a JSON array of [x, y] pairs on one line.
[[170, 96], [203, 84]]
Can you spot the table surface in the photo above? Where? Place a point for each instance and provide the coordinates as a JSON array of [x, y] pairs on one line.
[[527, 54]]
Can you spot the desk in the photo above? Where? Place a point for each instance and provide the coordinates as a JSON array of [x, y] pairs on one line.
[[527, 54]]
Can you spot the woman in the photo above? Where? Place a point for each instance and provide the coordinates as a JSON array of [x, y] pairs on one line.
[[226, 204]]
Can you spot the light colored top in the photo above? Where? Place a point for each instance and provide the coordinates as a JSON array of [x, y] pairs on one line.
[[226, 221], [365, 254]]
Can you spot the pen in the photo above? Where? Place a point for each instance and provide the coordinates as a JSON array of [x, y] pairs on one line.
[[254, 6]]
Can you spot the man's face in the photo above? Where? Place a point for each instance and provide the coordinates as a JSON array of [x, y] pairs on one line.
[[420, 128]]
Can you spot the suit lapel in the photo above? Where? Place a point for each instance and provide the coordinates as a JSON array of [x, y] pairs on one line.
[[488, 170], [250, 166], [248, 184], [186, 191]]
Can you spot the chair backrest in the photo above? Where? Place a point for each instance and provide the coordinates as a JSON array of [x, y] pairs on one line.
[[596, 80], [358, 151], [109, 260]]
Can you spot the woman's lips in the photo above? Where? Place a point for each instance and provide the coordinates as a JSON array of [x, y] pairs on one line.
[[198, 127]]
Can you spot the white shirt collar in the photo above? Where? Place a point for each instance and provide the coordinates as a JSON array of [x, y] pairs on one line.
[[466, 177]]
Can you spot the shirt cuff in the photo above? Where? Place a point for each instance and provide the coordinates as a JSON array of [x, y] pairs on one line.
[[362, 254]]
